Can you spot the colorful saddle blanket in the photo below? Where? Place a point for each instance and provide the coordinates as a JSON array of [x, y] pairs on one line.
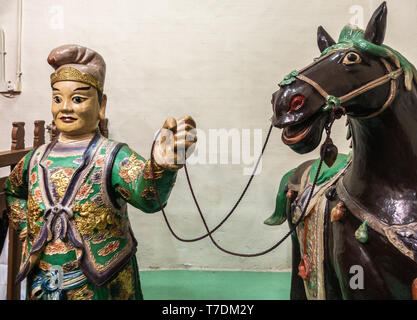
[[310, 231]]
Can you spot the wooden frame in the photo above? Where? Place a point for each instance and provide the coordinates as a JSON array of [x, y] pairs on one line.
[[10, 159]]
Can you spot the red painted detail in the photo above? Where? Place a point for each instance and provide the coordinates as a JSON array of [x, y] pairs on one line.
[[297, 102], [414, 289], [304, 268]]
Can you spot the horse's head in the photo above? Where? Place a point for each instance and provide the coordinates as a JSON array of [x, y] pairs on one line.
[[340, 76]]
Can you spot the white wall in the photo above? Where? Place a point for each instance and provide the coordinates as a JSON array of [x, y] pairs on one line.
[[218, 61]]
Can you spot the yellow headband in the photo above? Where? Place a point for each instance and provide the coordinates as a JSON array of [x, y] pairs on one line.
[[72, 74]]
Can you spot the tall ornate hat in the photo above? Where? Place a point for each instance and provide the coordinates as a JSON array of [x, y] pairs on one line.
[[76, 63]]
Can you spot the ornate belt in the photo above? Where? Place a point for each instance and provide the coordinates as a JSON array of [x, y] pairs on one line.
[[49, 285]]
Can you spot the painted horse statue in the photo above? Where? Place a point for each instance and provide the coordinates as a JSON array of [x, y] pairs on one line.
[[358, 237]]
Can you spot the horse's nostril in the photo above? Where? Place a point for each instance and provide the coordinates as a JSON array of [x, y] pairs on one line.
[[297, 102]]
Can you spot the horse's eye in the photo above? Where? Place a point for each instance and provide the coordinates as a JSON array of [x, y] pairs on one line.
[[351, 58]]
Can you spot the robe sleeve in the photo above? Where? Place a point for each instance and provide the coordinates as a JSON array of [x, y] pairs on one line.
[[16, 187], [132, 181]]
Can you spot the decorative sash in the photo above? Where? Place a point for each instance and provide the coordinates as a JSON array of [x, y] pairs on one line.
[[310, 233], [60, 213]]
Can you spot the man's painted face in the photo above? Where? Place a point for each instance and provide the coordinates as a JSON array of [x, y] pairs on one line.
[[75, 107]]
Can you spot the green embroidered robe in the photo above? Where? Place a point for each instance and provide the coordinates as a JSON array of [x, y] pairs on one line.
[[92, 231]]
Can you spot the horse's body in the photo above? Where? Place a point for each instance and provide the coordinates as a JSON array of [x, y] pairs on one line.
[[377, 185], [387, 272]]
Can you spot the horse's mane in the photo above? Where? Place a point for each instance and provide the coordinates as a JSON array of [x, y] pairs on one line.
[[353, 37]]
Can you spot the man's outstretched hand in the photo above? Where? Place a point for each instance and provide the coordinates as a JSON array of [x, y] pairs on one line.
[[176, 142]]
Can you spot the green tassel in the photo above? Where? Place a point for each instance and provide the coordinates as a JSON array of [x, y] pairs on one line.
[[331, 101], [362, 233]]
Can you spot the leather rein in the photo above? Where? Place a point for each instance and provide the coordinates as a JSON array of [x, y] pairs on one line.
[[333, 105]]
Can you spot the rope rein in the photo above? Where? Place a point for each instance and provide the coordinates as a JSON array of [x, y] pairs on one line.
[[332, 104], [334, 115], [189, 184]]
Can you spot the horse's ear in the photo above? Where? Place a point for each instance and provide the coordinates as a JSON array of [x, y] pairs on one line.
[[324, 40], [375, 31]]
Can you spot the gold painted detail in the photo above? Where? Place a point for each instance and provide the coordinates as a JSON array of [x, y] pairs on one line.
[[25, 252], [23, 234], [96, 221], [17, 214], [125, 193], [147, 170], [44, 266], [82, 293], [61, 178], [131, 168], [109, 248], [72, 74], [16, 176], [123, 284], [34, 216], [149, 193], [70, 266], [58, 247]]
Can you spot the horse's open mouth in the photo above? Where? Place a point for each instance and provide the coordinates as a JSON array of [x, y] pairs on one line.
[[293, 134]]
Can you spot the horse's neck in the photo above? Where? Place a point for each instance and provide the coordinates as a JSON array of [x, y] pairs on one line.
[[383, 174]]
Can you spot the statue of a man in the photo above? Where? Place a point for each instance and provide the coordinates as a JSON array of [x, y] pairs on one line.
[[68, 199]]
